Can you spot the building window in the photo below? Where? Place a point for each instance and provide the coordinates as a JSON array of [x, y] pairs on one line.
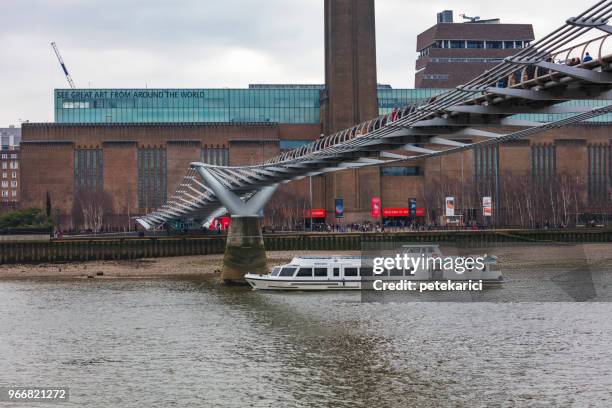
[[286, 145], [4, 193], [470, 60], [457, 44], [600, 172], [13, 183], [475, 44], [88, 170], [4, 165], [14, 193], [400, 171], [494, 44], [436, 77], [75, 105], [509, 44], [13, 156], [5, 156], [216, 156], [152, 177], [486, 169], [543, 163], [4, 175], [5, 184]]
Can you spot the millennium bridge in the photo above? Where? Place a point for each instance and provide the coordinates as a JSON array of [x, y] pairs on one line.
[[535, 80]]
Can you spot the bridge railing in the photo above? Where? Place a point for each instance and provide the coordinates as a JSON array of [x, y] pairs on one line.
[[598, 48]]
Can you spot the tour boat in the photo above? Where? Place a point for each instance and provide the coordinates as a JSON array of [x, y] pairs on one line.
[[356, 272]]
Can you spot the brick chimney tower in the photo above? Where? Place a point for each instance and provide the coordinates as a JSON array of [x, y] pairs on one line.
[[350, 97]]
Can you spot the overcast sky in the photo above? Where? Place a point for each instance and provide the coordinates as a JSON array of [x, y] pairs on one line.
[[208, 43]]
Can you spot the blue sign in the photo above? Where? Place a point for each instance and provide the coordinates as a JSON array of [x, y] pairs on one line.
[[339, 208], [412, 208]]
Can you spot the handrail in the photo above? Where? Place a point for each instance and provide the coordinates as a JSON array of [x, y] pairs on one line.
[[585, 45]]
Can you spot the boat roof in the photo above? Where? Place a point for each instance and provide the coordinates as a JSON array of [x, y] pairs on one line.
[[352, 260]]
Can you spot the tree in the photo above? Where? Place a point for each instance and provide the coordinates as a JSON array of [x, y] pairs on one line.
[[90, 209], [285, 210], [31, 218]]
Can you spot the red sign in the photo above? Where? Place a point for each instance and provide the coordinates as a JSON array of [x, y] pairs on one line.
[[225, 222], [221, 223], [401, 212], [395, 212], [316, 213], [375, 207]]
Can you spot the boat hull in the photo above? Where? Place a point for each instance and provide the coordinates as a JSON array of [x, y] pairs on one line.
[[266, 282]]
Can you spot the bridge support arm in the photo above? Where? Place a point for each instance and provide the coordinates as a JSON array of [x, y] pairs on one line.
[[231, 201]]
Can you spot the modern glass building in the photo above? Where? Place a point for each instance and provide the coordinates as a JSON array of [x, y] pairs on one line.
[[288, 104], [260, 103]]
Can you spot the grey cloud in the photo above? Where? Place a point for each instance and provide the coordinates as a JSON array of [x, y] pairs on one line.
[[206, 43]]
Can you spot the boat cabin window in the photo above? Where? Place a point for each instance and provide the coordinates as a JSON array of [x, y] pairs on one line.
[[396, 272], [287, 271], [305, 272], [367, 271], [351, 272], [276, 271], [336, 272], [320, 272]]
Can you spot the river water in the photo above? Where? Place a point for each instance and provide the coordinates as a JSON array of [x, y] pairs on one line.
[[165, 343]]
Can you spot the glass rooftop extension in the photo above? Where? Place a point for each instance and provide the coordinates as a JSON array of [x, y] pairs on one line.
[[299, 104]]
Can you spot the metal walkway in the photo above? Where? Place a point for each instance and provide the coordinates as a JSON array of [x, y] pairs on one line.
[[535, 80]]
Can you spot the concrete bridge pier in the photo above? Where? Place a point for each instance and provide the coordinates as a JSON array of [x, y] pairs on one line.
[[244, 250]]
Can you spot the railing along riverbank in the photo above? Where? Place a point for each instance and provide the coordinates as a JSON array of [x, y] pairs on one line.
[[114, 248]]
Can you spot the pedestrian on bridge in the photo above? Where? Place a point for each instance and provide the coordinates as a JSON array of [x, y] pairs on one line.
[[394, 114], [587, 58]]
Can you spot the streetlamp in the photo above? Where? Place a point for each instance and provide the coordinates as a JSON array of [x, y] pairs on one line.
[[310, 182]]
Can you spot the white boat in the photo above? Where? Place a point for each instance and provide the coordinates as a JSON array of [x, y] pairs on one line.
[[356, 272]]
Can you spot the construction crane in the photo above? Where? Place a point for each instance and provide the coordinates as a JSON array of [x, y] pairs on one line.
[[61, 61], [470, 19]]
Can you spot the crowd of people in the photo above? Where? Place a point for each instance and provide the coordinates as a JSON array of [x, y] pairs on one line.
[[576, 61], [529, 72], [380, 227]]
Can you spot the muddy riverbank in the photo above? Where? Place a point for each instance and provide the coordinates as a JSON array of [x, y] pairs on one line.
[[515, 256]]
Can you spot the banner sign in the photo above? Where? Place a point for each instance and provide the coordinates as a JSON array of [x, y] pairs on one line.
[[412, 206], [339, 208], [450, 206], [316, 213], [376, 207], [401, 212], [220, 224], [487, 206]]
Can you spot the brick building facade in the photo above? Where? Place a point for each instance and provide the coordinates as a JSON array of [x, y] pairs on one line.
[[10, 168], [452, 54], [136, 166]]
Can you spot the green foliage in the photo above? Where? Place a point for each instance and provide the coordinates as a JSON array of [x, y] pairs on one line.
[[31, 218]]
